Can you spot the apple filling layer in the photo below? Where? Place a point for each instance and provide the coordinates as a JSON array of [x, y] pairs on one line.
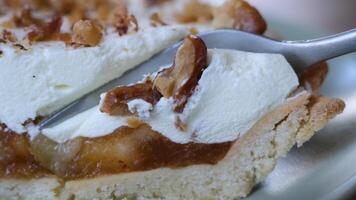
[[16, 159], [125, 150]]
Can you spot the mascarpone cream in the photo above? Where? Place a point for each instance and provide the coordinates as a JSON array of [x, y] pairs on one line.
[[235, 91]]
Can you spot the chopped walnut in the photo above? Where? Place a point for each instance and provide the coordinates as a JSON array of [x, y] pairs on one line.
[[86, 33], [13, 3], [9, 24], [46, 31], [156, 2], [115, 101], [193, 31], [26, 19], [65, 37], [102, 13], [63, 6], [123, 22], [181, 79], [239, 14], [195, 11], [41, 30], [7, 36], [133, 23], [156, 20], [78, 13], [41, 4]]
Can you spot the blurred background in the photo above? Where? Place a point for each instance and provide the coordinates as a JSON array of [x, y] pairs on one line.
[[325, 167], [318, 16]]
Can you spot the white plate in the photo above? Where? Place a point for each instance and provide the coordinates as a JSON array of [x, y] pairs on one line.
[[325, 167]]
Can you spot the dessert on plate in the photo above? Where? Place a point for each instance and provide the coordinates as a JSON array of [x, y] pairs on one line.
[[210, 126]]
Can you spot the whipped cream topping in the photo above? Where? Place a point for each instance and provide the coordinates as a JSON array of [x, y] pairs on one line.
[[50, 75], [234, 92]]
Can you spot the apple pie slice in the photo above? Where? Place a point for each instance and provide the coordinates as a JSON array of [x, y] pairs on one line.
[[210, 126]]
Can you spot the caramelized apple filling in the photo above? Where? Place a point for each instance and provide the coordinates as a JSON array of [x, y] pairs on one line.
[[16, 159], [125, 150]]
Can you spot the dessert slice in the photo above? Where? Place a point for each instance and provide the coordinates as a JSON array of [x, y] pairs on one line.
[[211, 126]]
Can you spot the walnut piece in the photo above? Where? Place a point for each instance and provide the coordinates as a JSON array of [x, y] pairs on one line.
[[156, 20], [86, 33], [156, 2], [26, 19], [12, 3], [122, 21], [102, 13], [45, 31], [181, 79], [238, 14], [78, 13], [115, 101], [7, 36], [40, 29], [178, 81], [195, 11]]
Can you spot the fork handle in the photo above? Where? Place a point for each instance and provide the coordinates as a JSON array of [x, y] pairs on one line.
[[305, 53]]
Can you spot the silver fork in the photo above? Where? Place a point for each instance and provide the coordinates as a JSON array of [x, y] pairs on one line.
[[300, 54]]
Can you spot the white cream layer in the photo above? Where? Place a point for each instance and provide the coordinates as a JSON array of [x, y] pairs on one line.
[[50, 75], [236, 90]]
